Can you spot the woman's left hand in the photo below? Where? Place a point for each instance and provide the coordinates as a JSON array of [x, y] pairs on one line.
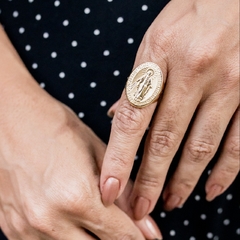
[[196, 44]]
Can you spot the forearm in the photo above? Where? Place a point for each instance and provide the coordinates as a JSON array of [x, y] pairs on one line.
[[19, 92]]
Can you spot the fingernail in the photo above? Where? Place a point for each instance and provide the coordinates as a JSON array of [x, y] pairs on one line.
[[112, 109], [141, 207], [213, 192], [110, 113], [110, 191], [172, 202], [152, 227]]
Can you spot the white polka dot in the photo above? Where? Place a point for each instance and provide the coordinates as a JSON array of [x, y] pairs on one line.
[[93, 84], [74, 43], [197, 197], [209, 235], [229, 197], [130, 41], [209, 172], [216, 238], [106, 53], [110, 0], [34, 66], [185, 222], [172, 233], [46, 35], [203, 216], [53, 54], [21, 30], [30, 1], [81, 115], [65, 23], [103, 103], [87, 10], [136, 158], [144, 7], [0, 11], [220, 210], [116, 73], [162, 214], [27, 47], [42, 85], [71, 95], [238, 231], [38, 17], [226, 222], [192, 238], [96, 32], [83, 64], [120, 20], [56, 3], [15, 14], [62, 75]]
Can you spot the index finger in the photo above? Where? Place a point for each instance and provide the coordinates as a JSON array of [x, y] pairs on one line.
[[128, 127]]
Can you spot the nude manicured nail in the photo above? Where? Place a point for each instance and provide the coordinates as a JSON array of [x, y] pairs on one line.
[[110, 191], [152, 227], [172, 201], [141, 207], [112, 109], [110, 113], [213, 192]]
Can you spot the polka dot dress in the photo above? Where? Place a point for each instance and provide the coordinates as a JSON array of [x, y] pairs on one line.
[[82, 52]]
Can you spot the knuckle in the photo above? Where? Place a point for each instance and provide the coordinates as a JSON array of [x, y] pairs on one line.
[[38, 221], [200, 150], [148, 181], [19, 224], [233, 148], [128, 119], [229, 170], [78, 203], [186, 184], [200, 58], [159, 41], [120, 159], [162, 142]]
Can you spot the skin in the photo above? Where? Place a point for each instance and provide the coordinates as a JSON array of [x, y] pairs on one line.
[[50, 167], [196, 44]]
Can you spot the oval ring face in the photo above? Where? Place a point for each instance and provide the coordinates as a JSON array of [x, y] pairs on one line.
[[144, 85]]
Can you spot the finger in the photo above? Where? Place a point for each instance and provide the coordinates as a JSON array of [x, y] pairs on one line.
[[128, 127], [168, 128], [111, 223], [228, 165], [205, 136], [147, 225]]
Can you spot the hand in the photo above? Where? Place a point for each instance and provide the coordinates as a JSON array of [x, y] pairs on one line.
[[49, 167], [196, 44], [51, 180]]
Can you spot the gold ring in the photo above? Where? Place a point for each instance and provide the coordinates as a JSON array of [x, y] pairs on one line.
[[144, 85]]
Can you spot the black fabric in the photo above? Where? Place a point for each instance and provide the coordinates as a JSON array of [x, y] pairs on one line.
[[82, 52]]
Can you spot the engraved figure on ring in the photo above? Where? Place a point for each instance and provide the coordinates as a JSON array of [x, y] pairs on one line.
[[144, 84]]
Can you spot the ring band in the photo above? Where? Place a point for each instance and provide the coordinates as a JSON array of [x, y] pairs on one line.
[[144, 85]]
